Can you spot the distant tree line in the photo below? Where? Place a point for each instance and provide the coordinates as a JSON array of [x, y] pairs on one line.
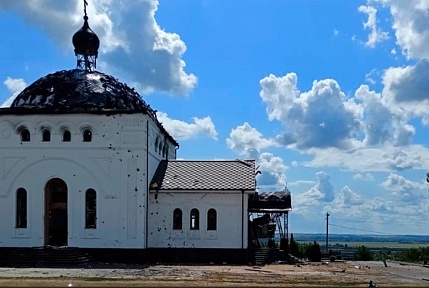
[[420, 254]]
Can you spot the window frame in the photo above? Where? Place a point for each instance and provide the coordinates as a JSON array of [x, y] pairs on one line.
[[160, 148], [86, 135], [46, 135], [66, 138], [90, 209], [212, 219], [177, 219], [194, 219], [25, 135], [21, 208]]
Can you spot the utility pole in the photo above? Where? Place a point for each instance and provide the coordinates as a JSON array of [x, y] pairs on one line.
[[327, 233]]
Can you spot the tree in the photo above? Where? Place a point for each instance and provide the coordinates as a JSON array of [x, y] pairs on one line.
[[313, 253], [294, 249], [363, 254]]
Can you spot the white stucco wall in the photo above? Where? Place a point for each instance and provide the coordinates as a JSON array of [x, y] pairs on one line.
[[231, 207], [114, 163]]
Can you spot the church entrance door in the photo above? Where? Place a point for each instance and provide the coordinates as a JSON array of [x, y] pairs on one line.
[[56, 229]]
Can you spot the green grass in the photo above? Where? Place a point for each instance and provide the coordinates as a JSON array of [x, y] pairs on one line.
[[373, 245]]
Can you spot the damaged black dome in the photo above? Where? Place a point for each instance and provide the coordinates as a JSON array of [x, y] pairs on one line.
[[77, 90]]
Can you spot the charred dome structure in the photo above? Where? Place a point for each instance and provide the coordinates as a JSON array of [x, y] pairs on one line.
[[87, 169]]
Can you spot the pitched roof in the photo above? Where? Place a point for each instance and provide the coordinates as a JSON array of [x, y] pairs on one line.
[[205, 175]]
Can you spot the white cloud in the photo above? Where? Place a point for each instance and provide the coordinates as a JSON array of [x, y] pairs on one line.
[[411, 25], [376, 35], [380, 205], [247, 141], [363, 177], [181, 130], [15, 86], [305, 203], [133, 45], [382, 123], [273, 176], [407, 88], [369, 77], [321, 117], [385, 159], [348, 198], [403, 188], [301, 183]]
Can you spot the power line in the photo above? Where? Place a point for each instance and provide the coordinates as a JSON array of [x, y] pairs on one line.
[[364, 230]]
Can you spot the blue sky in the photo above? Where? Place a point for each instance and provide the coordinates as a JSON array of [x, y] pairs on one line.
[[330, 97]]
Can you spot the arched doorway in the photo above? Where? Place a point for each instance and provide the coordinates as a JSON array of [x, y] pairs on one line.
[[56, 229]]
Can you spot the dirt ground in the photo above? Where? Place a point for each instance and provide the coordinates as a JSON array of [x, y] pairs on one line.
[[350, 273]]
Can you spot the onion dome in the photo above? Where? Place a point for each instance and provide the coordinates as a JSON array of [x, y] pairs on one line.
[[71, 91], [86, 44], [85, 41]]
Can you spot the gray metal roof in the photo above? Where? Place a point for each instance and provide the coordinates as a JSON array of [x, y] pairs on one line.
[[205, 175]]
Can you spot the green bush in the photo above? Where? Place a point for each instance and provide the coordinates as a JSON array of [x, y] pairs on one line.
[[294, 248], [363, 254], [414, 254], [313, 253]]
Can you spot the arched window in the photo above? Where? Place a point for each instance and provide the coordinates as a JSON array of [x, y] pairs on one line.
[[21, 208], [156, 144], [211, 219], [46, 135], [87, 135], [90, 209], [66, 136], [177, 219], [195, 219], [160, 148], [25, 135]]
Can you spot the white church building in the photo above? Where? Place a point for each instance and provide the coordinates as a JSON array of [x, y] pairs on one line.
[[86, 164]]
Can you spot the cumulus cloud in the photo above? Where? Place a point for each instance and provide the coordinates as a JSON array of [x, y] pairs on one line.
[[321, 117], [348, 198], [322, 191], [408, 84], [387, 159], [381, 205], [381, 122], [247, 141], [273, 172], [376, 35], [305, 203], [363, 177], [15, 86], [411, 26], [181, 130], [403, 188], [407, 87], [133, 45]]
